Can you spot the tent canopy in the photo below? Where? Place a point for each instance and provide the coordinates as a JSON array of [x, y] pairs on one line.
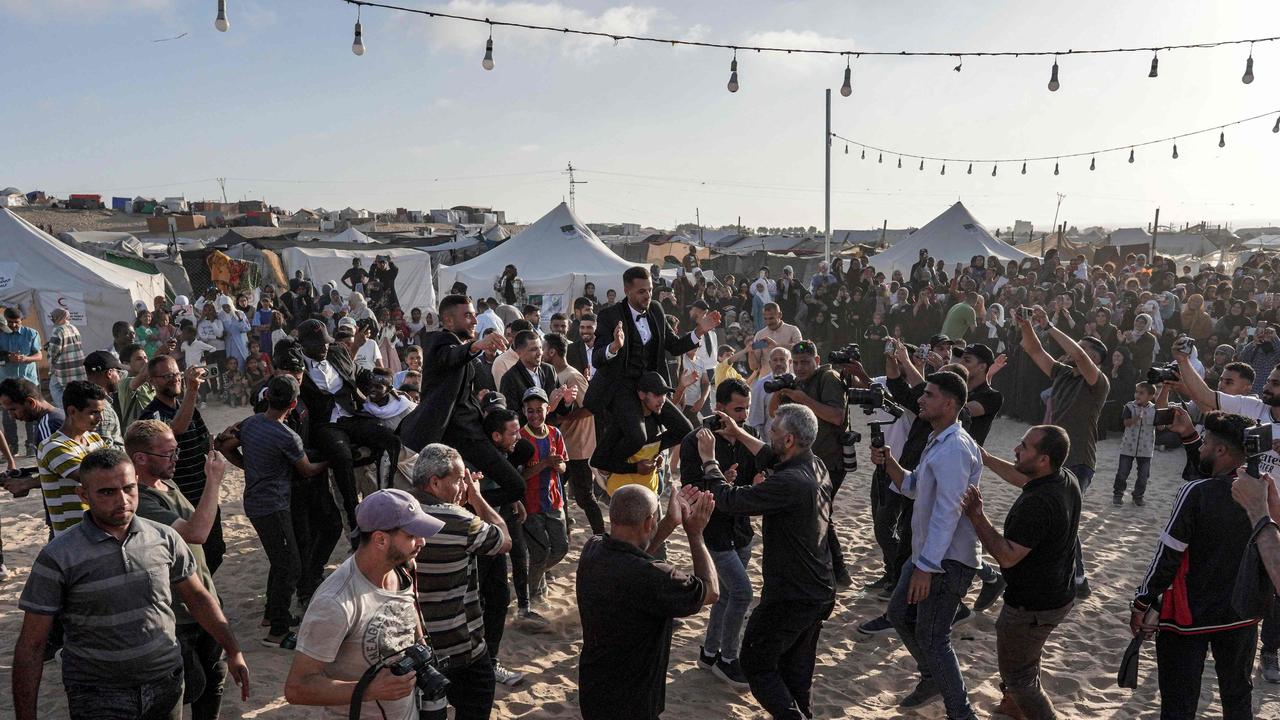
[[352, 235], [953, 237], [556, 255], [45, 273], [327, 265]]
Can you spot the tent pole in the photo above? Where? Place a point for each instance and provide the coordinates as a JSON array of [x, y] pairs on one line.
[[826, 141], [1155, 230]]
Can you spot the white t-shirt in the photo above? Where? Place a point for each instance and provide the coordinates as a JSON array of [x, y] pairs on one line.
[[352, 624], [1258, 411], [193, 352], [368, 356]]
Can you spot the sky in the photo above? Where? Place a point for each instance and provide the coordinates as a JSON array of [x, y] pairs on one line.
[[281, 107]]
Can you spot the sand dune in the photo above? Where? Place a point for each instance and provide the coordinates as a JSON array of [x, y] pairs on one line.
[[855, 677]]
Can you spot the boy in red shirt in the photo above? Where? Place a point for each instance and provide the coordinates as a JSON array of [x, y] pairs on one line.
[[545, 532]]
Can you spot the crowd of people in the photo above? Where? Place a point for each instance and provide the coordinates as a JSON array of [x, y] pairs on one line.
[[447, 445]]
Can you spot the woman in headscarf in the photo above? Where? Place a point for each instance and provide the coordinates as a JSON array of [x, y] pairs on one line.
[[1122, 376], [357, 309], [1141, 343], [1229, 325], [388, 341]]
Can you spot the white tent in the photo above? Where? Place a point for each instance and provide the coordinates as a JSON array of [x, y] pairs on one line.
[[352, 235], [322, 265], [41, 273], [555, 256], [953, 237], [1268, 242]]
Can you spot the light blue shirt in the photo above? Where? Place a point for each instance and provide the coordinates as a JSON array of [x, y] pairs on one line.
[[939, 530], [24, 341]]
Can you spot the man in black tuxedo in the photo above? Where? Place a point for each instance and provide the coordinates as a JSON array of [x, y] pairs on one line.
[[579, 353], [633, 338], [532, 372], [335, 411], [450, 409]]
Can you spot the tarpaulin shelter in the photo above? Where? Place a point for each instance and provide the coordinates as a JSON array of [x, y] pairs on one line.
[[953, 237], [323, 265]]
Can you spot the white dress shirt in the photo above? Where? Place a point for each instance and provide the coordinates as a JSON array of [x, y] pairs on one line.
[[327, 378]]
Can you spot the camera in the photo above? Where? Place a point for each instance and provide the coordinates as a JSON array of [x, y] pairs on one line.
[[1164, 373], [1026, 313], [785, 381], [420, 659], [871, 398], [713, 423], [1184, 344], [848, 354], [1257, 442], [921, 352]]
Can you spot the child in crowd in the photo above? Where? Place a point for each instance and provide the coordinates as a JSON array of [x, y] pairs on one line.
[[1138, 443], [235, 384], [412, 362], [256, 373], [545, 532], [256, 353]]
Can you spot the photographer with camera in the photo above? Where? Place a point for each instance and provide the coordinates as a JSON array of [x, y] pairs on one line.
[[1194, 569], [1262, 353], [819, 388], [363, 614], [757, 414], [1261, 410], [1077, 390]]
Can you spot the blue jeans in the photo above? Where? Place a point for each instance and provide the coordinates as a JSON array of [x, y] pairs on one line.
[[1084, 474], [724, 627], [55, 391], [925, 629], [159, 699], [1122, 475]]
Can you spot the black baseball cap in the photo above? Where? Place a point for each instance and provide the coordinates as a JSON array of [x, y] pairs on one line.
[[700, 304], [980, 351], [313, 330], [652, 382], [939, 339], [101, 361]]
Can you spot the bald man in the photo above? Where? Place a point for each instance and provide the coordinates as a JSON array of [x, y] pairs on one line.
[[627, 600]]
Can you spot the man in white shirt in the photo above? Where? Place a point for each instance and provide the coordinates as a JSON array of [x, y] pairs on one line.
[[489, 319], [758, 412]]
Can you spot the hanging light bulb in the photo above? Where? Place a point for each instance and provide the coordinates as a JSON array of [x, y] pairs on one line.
[[1053, 77], [900, 161], [993, 170], [1222, 139], [864, 154], [970, 170], [847, 88], [1175, 149], [944, 169], [357, 45], [846, 148], [1093, 163], [1248, 67], [733, 75], [1055, 167], [222, 24], [1276, 128], [1024, 167], [1155, 65], [922, 165], [880, 159], [1130, 156], [487, 63]]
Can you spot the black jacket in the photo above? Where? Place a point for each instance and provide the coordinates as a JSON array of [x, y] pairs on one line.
[[447, 393], [319, 402], [577, 356], [635, 358], [516, 381], [723, 531]]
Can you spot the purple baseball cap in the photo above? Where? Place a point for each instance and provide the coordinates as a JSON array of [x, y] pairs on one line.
[[395, 510]]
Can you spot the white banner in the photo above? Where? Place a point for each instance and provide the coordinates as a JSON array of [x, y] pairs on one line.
[[73, 303], [8, 272]]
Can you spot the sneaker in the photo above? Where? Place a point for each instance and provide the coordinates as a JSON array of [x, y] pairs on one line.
[[990, 593], [963, 615], [1117, 500], [532, 617], [5, 573], [1082, 589], [730, 671], [506, 676], [925, 691], [288, 641], [1270, 667], [876, 626], [706, 660], [886, 592], [294, 621], [875, 587], [1137, 500]]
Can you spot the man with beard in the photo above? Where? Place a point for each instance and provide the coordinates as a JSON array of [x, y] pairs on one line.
[[1194, 569], [335, 407], [1262, 353], [175, 403], [579, 353]]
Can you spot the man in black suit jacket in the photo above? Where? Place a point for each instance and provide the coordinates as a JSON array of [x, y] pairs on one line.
[[632, 338], [579, 353], [450, 409], [335, 412], [532, 372]]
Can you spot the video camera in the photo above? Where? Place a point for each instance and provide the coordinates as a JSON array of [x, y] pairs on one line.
[[1164, 373], [786, 381], [850, 353], [1257, 442], [870, 400]]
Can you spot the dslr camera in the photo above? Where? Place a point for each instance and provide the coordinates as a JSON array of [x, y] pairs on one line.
[[713, 423], [1164, 373], [1257, 442], [786, 381], [848, 354], [419, 659]]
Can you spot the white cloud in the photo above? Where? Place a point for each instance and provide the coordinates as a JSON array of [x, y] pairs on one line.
[[45, 9], [448, 34]]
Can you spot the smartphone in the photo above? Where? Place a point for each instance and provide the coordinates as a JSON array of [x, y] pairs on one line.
[[1164, 416], [1250, 332], [759, 345]]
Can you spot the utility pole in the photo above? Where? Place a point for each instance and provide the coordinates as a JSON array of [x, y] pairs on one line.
[[1061, 197], [572, 184], [826, 148], [1155, 230], [222, 183], [697, 214]]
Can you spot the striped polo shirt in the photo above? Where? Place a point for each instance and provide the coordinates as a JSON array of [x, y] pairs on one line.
[[193, 445], [115, 600], [448, 579], [58, 459]]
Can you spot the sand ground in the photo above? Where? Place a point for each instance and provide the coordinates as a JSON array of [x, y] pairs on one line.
[[854, 678]]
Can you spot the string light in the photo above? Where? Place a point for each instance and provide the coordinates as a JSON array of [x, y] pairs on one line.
[[357, 45], [1055, 167], [847, 88], [970, 170], [1130, 156], [846, 148], [1276, 128], [1222, 139], [487, 63], [1248, 67], [1093, 163], [1155, 65], [922, 166], [993, 170], [222, 24], [944, 169], [1053, 77], [1024, 167], [864, 154], [880, 159], [733, 77], [900, 159], [1175, 149]]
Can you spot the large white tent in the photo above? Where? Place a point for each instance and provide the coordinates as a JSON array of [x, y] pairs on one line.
[[554, 257], [953, 237], [325, 265], [40, 273]]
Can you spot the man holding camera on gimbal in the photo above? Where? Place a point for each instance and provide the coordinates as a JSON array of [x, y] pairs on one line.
[[1194, 569], [819, 388]]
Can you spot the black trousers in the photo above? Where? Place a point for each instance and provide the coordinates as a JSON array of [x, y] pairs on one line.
[[580, 484], [627, 416], [778, 651], [470, 692], [204, 671], [1180, 660], [275, 532], [336, 442], [519, 554], [495, 599], [886, 508], [907, 506], [317, 526], [215, 547]]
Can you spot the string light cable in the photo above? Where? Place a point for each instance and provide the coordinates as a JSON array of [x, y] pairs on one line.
[[1220, 129]]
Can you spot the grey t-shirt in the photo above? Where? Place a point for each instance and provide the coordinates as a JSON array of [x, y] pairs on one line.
[[270, 450], [1075, 408]]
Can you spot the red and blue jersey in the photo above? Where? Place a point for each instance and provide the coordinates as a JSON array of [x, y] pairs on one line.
[[544, 492]]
